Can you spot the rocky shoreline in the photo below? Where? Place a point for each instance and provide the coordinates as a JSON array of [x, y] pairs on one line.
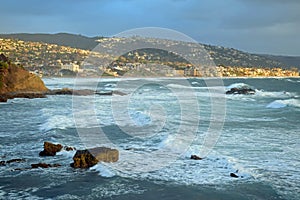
[[4, 97], [16, 82], [82, 159]]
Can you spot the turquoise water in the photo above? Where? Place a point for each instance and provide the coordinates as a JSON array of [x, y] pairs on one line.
[[259, 141]]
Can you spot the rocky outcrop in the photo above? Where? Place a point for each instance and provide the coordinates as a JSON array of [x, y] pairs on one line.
[[90, 157], [16, 79], [240, 88], [240, 91], [50, 149], [67, 91], [16, 82]]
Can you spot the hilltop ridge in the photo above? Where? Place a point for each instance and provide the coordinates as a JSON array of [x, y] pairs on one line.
[[62, 39], [221, 55]]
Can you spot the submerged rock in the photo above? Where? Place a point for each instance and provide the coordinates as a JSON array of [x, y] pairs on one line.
[[43, 165], [240, 91], [67, 91], [15, 160], [66, 148], [90, 157], [50, 149], [110, 93], [195, 157], [2, 163]]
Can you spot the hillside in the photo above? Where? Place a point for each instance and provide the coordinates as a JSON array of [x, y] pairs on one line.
[[291, 61], [62, 39], [221, 55]]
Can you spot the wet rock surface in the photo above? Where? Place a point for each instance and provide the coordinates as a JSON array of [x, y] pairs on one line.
[[90, 157], [50, 149], [247, 91]]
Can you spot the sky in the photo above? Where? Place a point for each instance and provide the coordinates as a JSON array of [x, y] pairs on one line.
[[256, 26]]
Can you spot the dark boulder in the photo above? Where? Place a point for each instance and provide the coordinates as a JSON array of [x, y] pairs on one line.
[[50, 149], [233, 175], [195, 157], [90, 157]]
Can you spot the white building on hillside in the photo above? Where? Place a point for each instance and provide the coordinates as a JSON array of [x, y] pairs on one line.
[[73, 67]]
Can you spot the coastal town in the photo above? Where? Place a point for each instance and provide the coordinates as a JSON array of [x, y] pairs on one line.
[[46, 59]]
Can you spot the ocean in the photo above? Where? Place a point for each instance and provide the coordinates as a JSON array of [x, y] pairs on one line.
[[156, 127]]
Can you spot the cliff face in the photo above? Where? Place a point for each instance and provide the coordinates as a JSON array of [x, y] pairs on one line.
[[16, 79]]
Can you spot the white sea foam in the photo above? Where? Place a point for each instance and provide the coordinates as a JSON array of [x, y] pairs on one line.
[[238, 85], [284, 103], [283, 94], [210, 170], [172, 85], [115, 188], [68, 154], [59, 122], [103, 170]]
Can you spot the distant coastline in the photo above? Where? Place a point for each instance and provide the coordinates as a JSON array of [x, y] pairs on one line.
[[54, 59]]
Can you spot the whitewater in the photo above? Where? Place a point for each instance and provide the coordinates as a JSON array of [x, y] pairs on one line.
[[258, 141]]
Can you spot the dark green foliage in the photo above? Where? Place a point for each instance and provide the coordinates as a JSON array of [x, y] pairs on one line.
[[4, 65]]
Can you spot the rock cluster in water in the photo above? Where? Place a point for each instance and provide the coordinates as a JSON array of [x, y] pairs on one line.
[[240, 91], [82, 158]]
